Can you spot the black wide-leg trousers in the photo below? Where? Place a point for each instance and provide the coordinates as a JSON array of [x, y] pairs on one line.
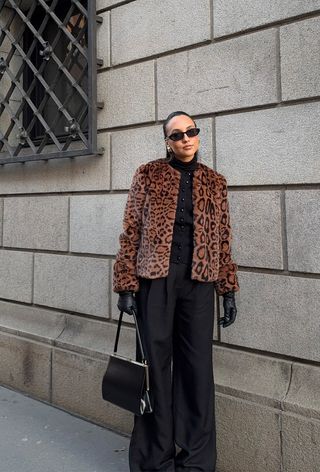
[[175, 318]]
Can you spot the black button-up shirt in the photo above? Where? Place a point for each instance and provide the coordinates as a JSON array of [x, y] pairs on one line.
[[182, 243]]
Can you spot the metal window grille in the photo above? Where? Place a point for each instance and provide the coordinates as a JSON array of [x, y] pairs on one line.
[[47, 79]]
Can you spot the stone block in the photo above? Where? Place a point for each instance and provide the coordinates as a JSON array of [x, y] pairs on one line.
[[256, 228], [303, 229], [232, 74], [280, 311], [95, 223], [253, 377], [265, 146], [31, 322], [25, 365], [107, 3], [129, 95], [133, 147], [248, 436], [303, 395], [300, 444], [1, 221], [16, 275], [103, 39], [76, 387], [239, 15], [300, 59], [147, 27], [36, 222], [59, 175], [95, 338], [73, 283]]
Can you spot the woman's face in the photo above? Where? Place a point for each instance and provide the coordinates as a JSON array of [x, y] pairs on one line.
[[186, 147]]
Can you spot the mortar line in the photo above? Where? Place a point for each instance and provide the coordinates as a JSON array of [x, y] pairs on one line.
[[69, 224], [278, 65], [283, 222], [211, 20], [214, 143], [155, 83], [2, 226]]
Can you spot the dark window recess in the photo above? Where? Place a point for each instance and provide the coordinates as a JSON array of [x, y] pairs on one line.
[[47, 79]]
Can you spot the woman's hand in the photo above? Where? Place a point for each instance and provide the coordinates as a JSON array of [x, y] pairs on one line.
[[127, 302], [230, 310]]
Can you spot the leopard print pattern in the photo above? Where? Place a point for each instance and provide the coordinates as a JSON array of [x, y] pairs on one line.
[[149, 216]]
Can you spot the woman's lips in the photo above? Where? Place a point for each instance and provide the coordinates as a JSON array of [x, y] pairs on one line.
[[188, 147]]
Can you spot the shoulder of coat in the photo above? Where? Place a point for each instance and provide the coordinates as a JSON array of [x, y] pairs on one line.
[[154, 165], [212, 173], [149, 168]]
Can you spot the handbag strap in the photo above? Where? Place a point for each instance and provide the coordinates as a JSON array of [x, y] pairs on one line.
[[138, 334]]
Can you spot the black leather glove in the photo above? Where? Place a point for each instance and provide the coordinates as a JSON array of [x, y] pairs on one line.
[[230, 310], [127, 302]]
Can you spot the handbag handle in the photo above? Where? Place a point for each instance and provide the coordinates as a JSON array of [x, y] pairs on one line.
[[138, 334]]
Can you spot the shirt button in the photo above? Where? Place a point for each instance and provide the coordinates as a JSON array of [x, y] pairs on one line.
[[182, 199], [187, 181], [182, 190], [181, 209], [182, 219], [182, 227]]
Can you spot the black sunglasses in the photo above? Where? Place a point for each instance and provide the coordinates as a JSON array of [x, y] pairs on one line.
[[180, 134]]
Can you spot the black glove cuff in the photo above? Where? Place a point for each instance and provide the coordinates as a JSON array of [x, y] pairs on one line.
[[228, 294]]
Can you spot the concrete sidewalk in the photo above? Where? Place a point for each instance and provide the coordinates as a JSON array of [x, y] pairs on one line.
[[37, 437]]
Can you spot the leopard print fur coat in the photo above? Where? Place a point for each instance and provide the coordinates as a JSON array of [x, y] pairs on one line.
[[149, 215]]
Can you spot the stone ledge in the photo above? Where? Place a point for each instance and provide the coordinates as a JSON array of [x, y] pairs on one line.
[[95, 338], [303, 395], [252, 377], [25, 365], [31, 322], [267, 381]]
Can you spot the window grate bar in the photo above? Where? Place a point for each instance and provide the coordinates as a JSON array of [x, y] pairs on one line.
[[22, 67], [40, 78], [36, 157], [80, 7], [4, 142], [65, 30], [54, 83], [81, 118], [15, 119], [92, 70], [68, 98], [33, 108], [53, 55], [73, 26]]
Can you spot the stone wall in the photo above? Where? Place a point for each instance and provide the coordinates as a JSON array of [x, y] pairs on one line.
[[249, 72]]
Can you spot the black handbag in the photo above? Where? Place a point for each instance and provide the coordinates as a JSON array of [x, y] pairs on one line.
[[126, 381]]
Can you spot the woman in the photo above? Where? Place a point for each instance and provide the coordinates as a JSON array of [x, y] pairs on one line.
[[174, 250]]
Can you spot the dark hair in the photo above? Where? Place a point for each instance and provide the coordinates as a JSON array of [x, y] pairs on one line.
[[169, 117]]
